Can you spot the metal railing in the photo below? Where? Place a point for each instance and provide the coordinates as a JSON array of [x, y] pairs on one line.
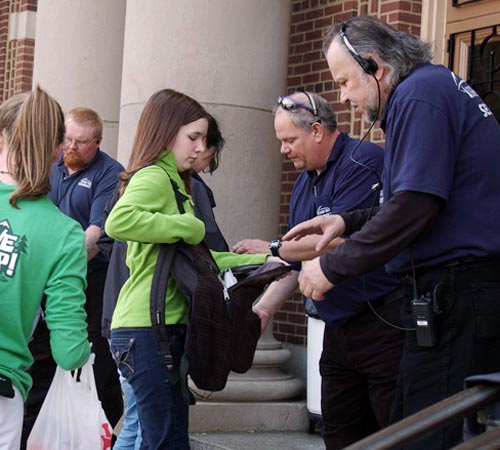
[[442, 413], [490, 440]]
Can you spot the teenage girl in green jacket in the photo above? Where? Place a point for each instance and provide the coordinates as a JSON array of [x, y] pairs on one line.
[[170, 137]]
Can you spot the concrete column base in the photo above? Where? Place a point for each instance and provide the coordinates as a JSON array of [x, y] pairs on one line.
[[259, 384], [265, 381]]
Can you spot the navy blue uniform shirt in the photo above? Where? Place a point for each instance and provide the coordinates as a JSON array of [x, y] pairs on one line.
[[343, 186], [83, 195], [442, 139]]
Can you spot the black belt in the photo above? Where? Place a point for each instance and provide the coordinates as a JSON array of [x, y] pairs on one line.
[[407, 278]]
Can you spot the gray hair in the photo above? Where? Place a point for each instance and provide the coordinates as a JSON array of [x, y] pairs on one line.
[[303, 119], [400, 52]]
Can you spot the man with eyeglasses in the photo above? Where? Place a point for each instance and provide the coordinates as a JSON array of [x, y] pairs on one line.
[[82, 180], [361, 353]]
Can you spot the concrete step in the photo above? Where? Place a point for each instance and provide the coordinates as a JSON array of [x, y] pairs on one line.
[[278, 440], [229, 417]]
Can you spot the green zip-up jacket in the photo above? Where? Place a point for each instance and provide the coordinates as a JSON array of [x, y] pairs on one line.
[[144, 216], [42, 251]]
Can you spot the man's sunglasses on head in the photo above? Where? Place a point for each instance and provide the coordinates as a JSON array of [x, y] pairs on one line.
[[292, 105]]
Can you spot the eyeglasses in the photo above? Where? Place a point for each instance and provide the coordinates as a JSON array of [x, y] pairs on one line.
[[77, 143], [293, 105]]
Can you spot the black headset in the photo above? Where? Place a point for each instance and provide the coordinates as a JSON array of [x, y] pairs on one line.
[[368, 65]]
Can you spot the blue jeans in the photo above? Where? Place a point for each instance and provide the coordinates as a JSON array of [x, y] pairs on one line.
[[130, 434], [163, 412]]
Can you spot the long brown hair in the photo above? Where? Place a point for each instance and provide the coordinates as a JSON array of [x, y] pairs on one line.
[[163, 115], [34, 127]]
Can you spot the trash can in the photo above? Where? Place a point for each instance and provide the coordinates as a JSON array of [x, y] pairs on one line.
[[315, 330]]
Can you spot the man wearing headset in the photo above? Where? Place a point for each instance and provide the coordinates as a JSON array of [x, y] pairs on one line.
[[361, 353], [438, 226]]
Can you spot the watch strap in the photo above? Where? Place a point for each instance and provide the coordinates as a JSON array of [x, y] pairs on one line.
[[274, 246]]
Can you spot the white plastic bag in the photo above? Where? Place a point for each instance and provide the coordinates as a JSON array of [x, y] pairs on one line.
[[71, 417]]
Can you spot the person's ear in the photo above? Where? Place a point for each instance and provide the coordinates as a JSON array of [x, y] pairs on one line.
[[317, 130]]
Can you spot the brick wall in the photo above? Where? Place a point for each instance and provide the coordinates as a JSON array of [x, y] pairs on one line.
[[4, 32], [307, 69], [23, 74], [16, 55], [28, 5]]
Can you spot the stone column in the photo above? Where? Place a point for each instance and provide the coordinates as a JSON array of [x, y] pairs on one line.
[[78, 57], [231, 55]]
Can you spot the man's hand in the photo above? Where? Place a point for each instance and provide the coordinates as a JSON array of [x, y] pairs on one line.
[[275, 297], [312, 281], [251, 246], [328, 226], [264, 316]]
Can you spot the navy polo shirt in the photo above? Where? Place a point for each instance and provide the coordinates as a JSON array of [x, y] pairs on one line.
[[83, 195], [343, 186], [442, 139]]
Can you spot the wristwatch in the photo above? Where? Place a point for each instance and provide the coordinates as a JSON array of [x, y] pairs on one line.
[[274, 246]]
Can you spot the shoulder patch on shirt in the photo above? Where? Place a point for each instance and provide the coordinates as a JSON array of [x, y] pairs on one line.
[[11, 246], [85, 182], [463, 87]]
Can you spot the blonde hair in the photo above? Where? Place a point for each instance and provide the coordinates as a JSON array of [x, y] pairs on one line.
[[88, 118], [34, 127]]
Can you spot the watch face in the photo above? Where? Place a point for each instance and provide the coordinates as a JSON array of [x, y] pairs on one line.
[[274, 247]]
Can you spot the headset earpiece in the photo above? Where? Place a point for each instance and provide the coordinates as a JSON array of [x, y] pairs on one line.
[[368, 65]]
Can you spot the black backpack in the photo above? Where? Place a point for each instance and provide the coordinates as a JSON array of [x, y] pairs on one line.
[[222, 330]]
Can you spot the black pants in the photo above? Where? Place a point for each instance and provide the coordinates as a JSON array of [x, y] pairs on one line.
[[105, 372], [359, 368], [468, 328]]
